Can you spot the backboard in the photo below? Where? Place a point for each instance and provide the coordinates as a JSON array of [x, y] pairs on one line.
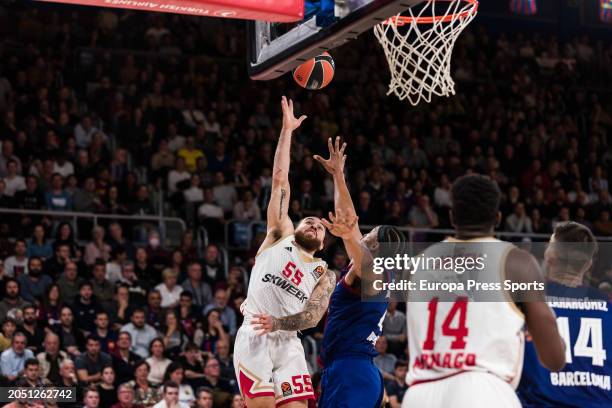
[[276, 48]]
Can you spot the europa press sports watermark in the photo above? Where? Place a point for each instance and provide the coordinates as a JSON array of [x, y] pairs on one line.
[[481, 270]]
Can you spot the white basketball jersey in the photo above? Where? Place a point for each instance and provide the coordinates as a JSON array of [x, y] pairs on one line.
[[282, 280], [446, 338]]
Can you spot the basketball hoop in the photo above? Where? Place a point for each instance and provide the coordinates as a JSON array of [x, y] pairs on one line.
[[419, 47]]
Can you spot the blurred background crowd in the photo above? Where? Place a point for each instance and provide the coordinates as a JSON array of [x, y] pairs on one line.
[[151, 115]]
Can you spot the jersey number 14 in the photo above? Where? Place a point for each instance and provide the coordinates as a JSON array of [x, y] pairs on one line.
[[590, 332]]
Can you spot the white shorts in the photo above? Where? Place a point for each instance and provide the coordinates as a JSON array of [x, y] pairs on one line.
[[271, 365], [471, 389]]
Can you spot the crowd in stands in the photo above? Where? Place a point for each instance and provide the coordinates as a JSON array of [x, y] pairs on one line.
[[114, 112]]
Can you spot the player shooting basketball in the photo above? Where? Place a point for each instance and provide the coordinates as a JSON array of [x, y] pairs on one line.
[[288, 287]]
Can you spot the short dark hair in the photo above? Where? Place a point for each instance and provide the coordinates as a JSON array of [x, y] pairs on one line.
[[401, 363], [475, 201], [91, 337], [31, 362], [85, 283], [34, 258], [170, 384], [578, 244], [200, 390]]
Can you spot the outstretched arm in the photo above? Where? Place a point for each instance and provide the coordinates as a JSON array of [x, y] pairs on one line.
[[335, 166], [278, 221], [309, 317]]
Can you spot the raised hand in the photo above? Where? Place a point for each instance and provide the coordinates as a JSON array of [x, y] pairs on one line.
[[342, 224], [335, 163], [290, 122]]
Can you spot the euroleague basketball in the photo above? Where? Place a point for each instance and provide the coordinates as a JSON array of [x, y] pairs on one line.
[[316, 73]]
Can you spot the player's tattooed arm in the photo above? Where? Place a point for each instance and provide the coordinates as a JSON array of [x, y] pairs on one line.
[[278, 221], [309, 317]]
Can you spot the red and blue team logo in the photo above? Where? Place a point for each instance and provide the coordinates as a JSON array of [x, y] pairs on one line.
[[524, 7]]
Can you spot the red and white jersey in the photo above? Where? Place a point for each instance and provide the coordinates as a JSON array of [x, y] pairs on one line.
[[282, 280], [449, 337]]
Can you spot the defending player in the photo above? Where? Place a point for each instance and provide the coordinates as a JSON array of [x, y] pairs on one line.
[[350, 378], [465, 353], [286, 280], [584, 317]]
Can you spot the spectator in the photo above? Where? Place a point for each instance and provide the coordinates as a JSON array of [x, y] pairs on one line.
[[120, 309], [170, 292], [193, 364], [7, 155], [106, 388], [85, 307], [176, 374], [39, 246], [153, 310], [394, 329], [12, 360], [224, 194], [69, 282], [519, 221], [204, 398], [71, 339], [57, 199], [213, 270], [51, 359], [145, 393], [35, 283], [211, 332], [34, 333], [201, 291], [194, 194], [210, 211], [141, 331], [13, 181], [12, 299], [174, 335], [222, 389], [9, 327], [97, 248], [68, 377], [188, 313], [190, 154], [126, 398], [124, 360], [227, 314], [422, 215], [170, 397], [55, 266], [178, 177], [31, 375], [396, 387], [50, 307], [90, 364], [16, 265], [157, 361], [247, 209], [384, 361], [116, 240], [92, 399], [225, 359], [106, 336], [103, 289]]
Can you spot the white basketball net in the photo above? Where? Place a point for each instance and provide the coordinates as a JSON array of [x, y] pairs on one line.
[[419, 47]]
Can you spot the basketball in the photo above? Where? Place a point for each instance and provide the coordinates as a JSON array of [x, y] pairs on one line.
[[316, 73]]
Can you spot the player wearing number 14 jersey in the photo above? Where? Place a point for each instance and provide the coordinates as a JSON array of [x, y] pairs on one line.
[[469, 353], [288, 290], [584, 317]]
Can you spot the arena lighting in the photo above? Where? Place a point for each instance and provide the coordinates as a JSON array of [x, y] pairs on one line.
[[265, 10], [605, 11], [524, 7]]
